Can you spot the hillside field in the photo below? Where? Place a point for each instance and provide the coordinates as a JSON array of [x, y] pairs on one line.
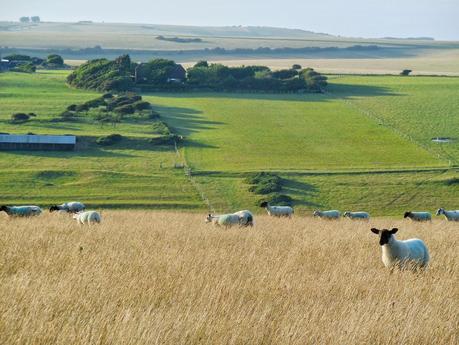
[[168, 278], [366, 144]]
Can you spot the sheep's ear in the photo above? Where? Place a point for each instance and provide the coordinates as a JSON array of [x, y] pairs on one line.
[[393, 231], [375, 231]]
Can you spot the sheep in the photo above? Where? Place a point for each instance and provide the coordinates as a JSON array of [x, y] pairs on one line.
[[418, 216], [332, 214], [450, 215], [409, 253], [226, 220], [88, 217], [69, 207], [21, 211], [277, 211], [357, 215], [245, 218]]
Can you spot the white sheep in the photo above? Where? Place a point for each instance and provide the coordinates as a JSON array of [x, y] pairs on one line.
[[226, 220], [21, 211], [409, 253], [245, 218], [69, 207], [277, 211], [331, 214], [87, 217], [450, 215], [357, 215], [418, 216]]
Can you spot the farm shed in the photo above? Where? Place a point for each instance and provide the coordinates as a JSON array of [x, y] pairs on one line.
[[37, 142]]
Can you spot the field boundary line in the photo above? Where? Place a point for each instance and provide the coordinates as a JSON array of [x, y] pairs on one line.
[[372, 115], [189, 175]]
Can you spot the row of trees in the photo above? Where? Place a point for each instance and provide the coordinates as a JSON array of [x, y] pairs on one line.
[[33, 19], [160, 74]]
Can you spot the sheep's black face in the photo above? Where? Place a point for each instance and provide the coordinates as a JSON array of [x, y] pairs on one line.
[[407, 214], [53, 208], [3, 208], [384, 235]]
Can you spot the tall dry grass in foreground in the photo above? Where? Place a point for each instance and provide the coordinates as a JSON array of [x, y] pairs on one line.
[[168, 278]]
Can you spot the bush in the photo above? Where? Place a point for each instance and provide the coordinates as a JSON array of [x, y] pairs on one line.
[[452, 181], [107, 96], [125, 109], [276, 198], [109, 139], [170, 139], [25, 68], [265, 187], [141, 105], [67, 115], [72, 107], [94, 103], [82, 107], [20, 117], [55, 59], [160, 127]]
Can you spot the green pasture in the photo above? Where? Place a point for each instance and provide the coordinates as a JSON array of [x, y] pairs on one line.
[[365, 145]]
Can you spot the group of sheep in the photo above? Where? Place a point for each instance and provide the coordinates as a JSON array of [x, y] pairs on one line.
[[415, 216], [76, 208]]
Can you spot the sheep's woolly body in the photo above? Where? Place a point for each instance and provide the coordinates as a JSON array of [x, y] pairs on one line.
[[88, 217], [279, 211], [245, 218], [450, 215], [332, 214], [418, 216], [23, 211], [226, 220], [357, 215], [405, 252], [72, 207]]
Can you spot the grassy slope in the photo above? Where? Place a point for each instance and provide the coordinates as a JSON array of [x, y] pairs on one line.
[[230, 135], [127, 174]]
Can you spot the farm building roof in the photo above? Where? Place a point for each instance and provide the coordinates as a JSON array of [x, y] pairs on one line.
[[38, 139]]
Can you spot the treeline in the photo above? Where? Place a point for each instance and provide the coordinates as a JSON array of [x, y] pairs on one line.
[[100, 51], [29, 64], [122, 74]]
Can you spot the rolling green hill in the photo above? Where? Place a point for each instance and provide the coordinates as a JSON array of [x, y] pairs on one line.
[[364, 145]]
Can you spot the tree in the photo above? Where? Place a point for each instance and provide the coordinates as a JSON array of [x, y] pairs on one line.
[[406, 72], [296, 67], [19, 118], [35, 19], [24, 20], [202, 63], [55, 59]]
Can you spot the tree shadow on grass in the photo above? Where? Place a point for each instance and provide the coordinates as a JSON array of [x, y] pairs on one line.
[[185, 121], [300, 192], [334, 92]]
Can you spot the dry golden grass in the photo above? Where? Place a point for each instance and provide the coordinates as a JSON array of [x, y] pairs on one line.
[[168, 278]]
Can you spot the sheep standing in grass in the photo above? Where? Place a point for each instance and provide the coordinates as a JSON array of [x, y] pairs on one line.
[[87, 217], [69, 207], [332, 214], [21, 211], [410, 253], [357, 215], [418, 216], [225, 220], [245, 218], [277, 211], [450, 215]]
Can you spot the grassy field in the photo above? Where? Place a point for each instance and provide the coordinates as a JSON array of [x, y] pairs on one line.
[[363, 145], [168, 278]]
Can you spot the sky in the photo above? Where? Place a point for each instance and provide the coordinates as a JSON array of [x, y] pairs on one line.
[[353, 18]]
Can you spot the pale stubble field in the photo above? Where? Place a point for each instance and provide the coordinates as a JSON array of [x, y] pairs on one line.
[[167, 278]]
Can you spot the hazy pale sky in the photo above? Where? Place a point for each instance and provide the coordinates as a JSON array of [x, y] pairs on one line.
[[357, 18]]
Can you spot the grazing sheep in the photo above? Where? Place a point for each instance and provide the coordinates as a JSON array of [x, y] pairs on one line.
[[21, 211], [87, 217], [226, 220], [450, 215], [69, 207], [277, 211], [418, 216], [332, 214], [357, 215], [245, 218], [401, 253]]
